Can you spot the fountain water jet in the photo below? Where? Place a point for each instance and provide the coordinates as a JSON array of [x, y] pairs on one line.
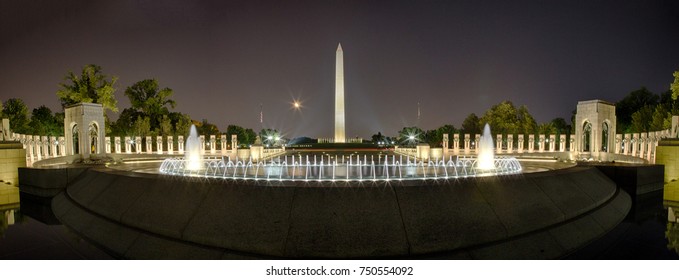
[[486, 159], [193, 160]]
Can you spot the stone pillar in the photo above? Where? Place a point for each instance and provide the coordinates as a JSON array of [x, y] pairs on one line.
[[456, 143], [137, 145], [128, 145], [643, 138], [498, 144], [675, 127], [117, 144], [477, 138], [552, 142], [149, 145], [223, 142], [234, 143], [5, 131], [520, 143], [213, 144], [170, 144], [467, 143], [45, 146], [54, 143], [627, 143], [29, 147], [37, 146], [572, 143], [618, 143], [635, 144], [62, 146], [202, 144], [541, 144], [107, 141], [562, 143], [510, 143], [180, 144], [444, 143], [159, 144], [531, 143]]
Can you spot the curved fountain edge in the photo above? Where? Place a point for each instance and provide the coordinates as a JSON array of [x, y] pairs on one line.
[[130, 214]]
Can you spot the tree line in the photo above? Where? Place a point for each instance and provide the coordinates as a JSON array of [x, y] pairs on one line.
[[151, 114]]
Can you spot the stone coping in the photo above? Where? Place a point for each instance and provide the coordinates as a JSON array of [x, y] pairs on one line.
[[134, 214]]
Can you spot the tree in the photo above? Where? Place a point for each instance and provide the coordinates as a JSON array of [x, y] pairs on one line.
[[674, 86], [44, 123], [526, 122], [91, 86], [633, 102], [502, 118], [206, 128], [661, 119], [560, 126], [142, 127], [146, 97], [182, 123], [376, 138], [17, 113], [124, 126], [641, 119], [165, 127], [471, 125]]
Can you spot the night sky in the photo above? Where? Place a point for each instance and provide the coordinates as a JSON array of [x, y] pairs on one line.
[[453, 57]]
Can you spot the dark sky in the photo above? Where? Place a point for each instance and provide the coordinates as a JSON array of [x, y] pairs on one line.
[[224, 58]]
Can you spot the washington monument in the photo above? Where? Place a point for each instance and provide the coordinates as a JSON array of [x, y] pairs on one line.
[[339, 95]]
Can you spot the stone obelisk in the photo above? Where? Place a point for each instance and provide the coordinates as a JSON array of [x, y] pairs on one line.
[[340, 137]]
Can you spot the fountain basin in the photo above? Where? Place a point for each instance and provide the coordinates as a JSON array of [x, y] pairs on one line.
[[532, 215]]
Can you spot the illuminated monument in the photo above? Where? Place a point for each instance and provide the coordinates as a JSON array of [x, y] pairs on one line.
[[340, 136]]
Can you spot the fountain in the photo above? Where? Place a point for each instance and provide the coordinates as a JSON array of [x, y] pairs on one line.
[[486, 159], [193, 160]]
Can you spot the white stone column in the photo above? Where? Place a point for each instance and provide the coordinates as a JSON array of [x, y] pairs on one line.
[[37, 147], [159, 145], [108, 144], [618, 144], [234, 143], [456, 143], [202, 144], [562, 143], [29, 147], [53, 142], [444, 143], [223, 143], [520, 143], [467, 143], [45, 146], [627, 143], [149, 145], [128, 145], [552, 142], [498, 144], [170, 144], [531, 143], [213, 144], [116, 141], [510, 143], [541, 144], [137, 145], [635, 144], [62, 146], [477, 138], [572, 143], [180, 144], [643, 138]]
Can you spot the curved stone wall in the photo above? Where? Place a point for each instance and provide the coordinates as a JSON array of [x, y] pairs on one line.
[[536, 215]]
